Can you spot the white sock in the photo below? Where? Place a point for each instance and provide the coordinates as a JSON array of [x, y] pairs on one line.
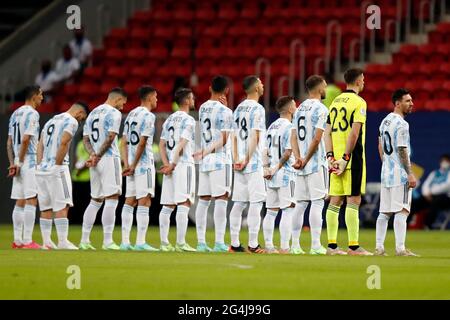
[[142, 219], [28, 223], [235, 222], [286, 227], [46, 230], [269, 226], [315, 222], [89, 219], [164, 224], [182, 224], [108, 220], [18, 217], [127, 222], [254, 223], [382, 225], [297, 222], [201, 214], [400, 231], [220, 219], [62, 229]]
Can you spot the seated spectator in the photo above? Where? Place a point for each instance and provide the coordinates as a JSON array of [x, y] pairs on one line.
[[436, 190], [68, 66], [81, 47], [47, 79]]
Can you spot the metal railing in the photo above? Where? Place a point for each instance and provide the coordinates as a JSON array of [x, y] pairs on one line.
[[387, 33], [296, 46], [103, 18], [281, 83], [267, 74], [7, 88], [352, 49], [432, 7], [317, 63], [328, 53]]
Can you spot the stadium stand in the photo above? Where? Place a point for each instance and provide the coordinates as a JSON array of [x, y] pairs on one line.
[[178, 38]]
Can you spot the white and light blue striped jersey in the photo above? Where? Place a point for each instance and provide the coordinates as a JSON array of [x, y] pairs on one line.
[[100, 122], [139, 123], [249, 116], [177, 126], [25, 121], [278, 140], [215, 118], [51, 136], [394, 133], [310, 116]]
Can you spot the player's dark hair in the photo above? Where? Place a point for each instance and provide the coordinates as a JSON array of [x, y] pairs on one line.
[[30, 91], [313, 81], [120, 91], [83, 105], [282, 103], [219, 84], [144, 91], [351, 75], [249, 82], [445, 157], [181, 95], [398, 95]]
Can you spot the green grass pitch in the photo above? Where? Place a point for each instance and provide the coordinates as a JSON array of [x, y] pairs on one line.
[[137, 275]]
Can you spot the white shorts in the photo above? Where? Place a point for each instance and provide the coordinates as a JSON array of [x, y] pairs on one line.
[[313, 186], [395, 199], [215, 183], [249, 187], [282, 197], [24, 185], [141, 185], [179, 186], [106, 178], [54, 189]]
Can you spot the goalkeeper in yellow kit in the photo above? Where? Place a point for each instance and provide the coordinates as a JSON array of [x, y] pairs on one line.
[[345, 138]]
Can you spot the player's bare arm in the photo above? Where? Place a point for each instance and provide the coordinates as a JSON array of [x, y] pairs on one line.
[[266, 164], [93, 159], [10, 151], [380, 149], [329, 146], [40, 150], [107, 144], [404, 159], [313, 146], [341, 164], [285, 157], [63, 148], [124, 155], [296, 149], [164, 159], [219, 143], [254, 140], [23, 151], [139, 151]]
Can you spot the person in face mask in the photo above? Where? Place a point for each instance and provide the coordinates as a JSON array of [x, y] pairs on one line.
[[436, 190], [47, 79], [81, 47]]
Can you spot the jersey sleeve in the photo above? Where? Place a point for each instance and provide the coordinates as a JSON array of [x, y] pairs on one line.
[[10, 128], [403, 136], [71, 127], [287, 138], [187, 131], [115, 122], [227, 121], [86, 130], [32, 124], [322, 119], [361, 112], [148, 126], [259, 120]]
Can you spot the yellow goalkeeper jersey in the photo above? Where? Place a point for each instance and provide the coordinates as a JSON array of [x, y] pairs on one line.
[[346, 109]]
